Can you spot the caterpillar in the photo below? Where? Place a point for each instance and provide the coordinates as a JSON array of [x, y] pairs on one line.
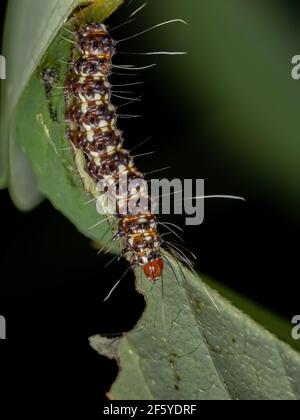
[[91, 121]]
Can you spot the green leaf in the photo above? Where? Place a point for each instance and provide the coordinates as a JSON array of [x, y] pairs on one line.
[[27, 125], [39, 130], [25, 46], [22, 181], [193, 344], [263, 316]]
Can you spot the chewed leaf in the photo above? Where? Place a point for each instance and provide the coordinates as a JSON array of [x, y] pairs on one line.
[[193, 344]]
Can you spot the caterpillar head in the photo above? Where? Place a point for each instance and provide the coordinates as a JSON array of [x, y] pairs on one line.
[[153, 269]]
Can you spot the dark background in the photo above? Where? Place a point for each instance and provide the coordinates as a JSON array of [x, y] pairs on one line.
[[52, 282]]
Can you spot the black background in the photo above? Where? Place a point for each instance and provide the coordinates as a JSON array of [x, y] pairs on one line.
[[53, 283]]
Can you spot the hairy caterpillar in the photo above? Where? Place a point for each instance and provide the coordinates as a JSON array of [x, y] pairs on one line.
[[91, 119]]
